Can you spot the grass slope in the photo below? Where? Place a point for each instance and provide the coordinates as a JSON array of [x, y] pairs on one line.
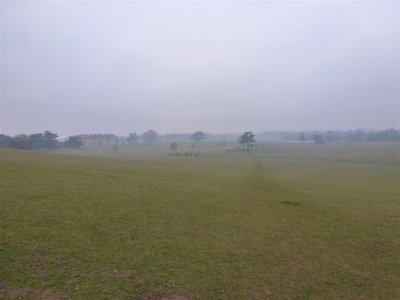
[[286, 222]]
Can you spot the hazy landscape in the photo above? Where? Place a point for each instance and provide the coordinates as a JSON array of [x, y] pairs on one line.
[[284, 221], [199, 150]]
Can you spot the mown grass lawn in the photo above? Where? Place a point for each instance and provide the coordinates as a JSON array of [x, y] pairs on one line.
[[285, 222]]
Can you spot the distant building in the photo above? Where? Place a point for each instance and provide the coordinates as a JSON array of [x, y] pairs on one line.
[[98, 140]]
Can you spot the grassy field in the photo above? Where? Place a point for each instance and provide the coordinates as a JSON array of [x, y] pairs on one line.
[[288, 221]]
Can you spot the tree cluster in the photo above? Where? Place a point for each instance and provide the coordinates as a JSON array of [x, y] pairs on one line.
[[352, 136], [73, 142], [198, 136], [388, 135], [333, 136], [37, 141], [132, 138], [149, 137]]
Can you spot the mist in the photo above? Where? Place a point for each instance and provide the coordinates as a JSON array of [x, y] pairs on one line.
[[118, 67]]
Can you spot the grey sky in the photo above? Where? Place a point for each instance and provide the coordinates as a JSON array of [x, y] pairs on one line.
[[118, 67]]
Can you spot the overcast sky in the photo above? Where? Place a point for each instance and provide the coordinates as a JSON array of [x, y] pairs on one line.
[[118, 67]]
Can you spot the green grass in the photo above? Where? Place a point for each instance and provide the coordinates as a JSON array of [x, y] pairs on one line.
[[285, 222]]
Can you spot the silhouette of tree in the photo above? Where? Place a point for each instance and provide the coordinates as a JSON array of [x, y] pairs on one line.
[[73, 142], [50, 140], [198, 136], [247, 139], [132, 138], [150, 136]]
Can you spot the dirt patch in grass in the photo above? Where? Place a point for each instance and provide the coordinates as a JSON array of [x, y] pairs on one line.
[[149, 295], [18, 293], [111, 272], [7, 292], [294, 203], [175, 297], [53, 296]]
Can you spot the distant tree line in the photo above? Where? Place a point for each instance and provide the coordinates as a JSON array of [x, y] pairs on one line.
[[50, 141], [361, 136], [331, 136], [388, 135], [150, 137], [39, 141]]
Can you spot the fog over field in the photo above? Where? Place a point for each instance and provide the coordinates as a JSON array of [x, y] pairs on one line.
[[99, 67]]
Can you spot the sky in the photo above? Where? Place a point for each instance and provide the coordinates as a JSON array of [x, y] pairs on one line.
[[217, 66]]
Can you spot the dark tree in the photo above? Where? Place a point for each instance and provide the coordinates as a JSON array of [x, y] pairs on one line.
[[198, 136], [388, 135], [50, 140], [37, 141], [150, 136], [73, 142], [6, 141], [132, 138], [173, 146], [22, 141], [247, 140]]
